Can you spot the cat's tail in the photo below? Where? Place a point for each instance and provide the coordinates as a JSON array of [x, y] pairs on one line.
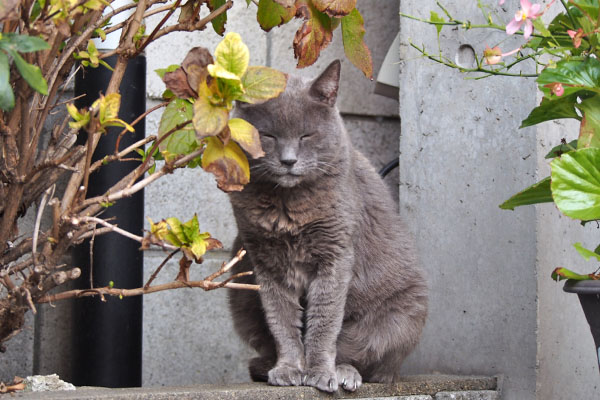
[[259, 368]]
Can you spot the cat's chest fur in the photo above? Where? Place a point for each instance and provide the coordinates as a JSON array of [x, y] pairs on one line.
[[291, 233]]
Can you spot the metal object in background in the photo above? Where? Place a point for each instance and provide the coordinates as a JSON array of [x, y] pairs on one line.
[[108, 335]]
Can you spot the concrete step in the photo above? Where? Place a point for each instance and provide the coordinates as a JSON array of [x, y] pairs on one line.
[[417, 387]]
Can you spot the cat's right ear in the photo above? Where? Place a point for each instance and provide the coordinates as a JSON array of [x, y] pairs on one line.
[[325, 87]]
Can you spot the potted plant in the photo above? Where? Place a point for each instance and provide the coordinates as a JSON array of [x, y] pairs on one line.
[[565, 51]]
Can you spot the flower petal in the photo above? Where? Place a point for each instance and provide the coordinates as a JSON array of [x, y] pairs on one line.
[[528, 30], [513, 26], [534, 11]]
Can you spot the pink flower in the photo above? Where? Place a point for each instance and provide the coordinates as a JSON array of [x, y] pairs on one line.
[[501, 2], [576, 36], [494, 55], [525, 15], [556, 88]]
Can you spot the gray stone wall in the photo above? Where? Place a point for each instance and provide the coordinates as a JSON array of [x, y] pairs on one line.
[[461, 156]]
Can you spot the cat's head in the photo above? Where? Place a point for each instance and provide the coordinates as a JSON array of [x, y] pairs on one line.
[[301, 131]]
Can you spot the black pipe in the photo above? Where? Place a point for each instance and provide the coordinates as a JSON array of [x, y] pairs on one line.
[[108, 335], [389, 167]]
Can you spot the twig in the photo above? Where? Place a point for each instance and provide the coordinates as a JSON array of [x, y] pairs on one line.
[[206, 285], [138, 119], [162, 264], [36, 229], [226, 267], [122, 153]]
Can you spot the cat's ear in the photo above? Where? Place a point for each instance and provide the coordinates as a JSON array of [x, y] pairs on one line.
[[325, 87]]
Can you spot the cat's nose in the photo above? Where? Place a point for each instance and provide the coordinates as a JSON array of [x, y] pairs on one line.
[[288, 162]]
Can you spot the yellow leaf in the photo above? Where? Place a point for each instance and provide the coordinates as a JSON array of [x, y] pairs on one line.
[[208, 119], [261, 84], [227, 162], [232, 54], [247, 136]]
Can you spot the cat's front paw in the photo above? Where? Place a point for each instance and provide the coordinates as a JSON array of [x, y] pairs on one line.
[[321, 379], [285, 375], [348, 377]]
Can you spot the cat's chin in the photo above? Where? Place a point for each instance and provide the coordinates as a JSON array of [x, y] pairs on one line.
[[289, 180]]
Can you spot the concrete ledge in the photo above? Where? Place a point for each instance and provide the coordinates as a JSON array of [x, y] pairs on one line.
[[417, 387]]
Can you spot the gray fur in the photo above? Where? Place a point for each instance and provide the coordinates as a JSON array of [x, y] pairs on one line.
[[342, 299]]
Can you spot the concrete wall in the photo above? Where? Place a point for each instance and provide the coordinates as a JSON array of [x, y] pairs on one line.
[[461, 156], [494, 308]]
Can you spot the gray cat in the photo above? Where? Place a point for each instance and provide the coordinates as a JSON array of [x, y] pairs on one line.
[[342, 299]]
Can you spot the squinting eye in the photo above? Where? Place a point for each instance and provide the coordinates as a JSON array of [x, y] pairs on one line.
[[305, 137], [271, 137]]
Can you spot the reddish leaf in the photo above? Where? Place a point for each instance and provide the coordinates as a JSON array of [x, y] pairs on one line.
[[271, 14], [177, 82], [212, 243], [335, 8], [354, 46], [190, 11], [313, 36]]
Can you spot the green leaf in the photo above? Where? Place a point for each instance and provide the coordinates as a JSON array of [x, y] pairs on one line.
[[574, 75], [7, 97], [576, 183], [23, 43], [354, 46], [177, 230], [561, 149], [198, 247], [270, 14], [261, 84], [589, 132], [246, 135], [552, 108], [218, 71], [540, 27], [31, 73], [585, 253], [208, 119], [232, 54], [219, 22], [162, 71], [182, 141], [434, 17], [560, 274], [191, 229], [537, 193]]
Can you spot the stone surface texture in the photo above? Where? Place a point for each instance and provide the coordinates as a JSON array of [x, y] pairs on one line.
[[411, 388]]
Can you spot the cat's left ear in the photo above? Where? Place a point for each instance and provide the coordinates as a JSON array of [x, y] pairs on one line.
[[325, 87]]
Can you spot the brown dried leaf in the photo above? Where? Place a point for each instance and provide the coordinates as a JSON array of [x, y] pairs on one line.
[[335, 8], [194, 65], [184, 268], [227, 163], [313, 36], [190, 11], [212, 243], [225, 135], [177, 82]]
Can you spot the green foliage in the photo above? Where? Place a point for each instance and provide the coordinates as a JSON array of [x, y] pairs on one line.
[[207, 103], [576, 183], [11, 44], [537, 193]]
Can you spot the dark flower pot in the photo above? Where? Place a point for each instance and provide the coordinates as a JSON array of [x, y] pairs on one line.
[[589, 297]]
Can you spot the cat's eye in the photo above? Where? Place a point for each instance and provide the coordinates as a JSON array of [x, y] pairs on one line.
[[305, 137], [267, 136]]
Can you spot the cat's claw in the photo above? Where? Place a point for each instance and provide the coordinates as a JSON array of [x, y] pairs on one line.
[[349, 376], [322, 379], [284, 375]]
